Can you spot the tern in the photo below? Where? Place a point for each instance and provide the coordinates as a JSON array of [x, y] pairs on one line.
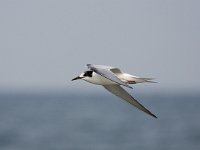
[[112, 78]]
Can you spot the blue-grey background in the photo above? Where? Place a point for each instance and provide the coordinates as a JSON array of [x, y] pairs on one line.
[[44, 44]]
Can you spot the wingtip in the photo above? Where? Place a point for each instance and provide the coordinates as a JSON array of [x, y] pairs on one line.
[[154, 116], [88, 65], [151, 114]]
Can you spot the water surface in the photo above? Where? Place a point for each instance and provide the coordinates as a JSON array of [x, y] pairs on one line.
[[69, 121]]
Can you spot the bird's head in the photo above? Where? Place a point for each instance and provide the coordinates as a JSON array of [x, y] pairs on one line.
[[84, 75]]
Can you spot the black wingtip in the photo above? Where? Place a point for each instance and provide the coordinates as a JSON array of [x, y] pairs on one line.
[[88, 65], [151, 114], [154, 116]]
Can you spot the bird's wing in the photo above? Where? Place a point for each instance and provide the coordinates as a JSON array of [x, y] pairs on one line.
[[105, 72], [120, 92], [116, 70]]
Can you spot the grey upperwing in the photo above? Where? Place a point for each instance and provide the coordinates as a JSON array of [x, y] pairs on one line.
[[120, 92], [105, 72]]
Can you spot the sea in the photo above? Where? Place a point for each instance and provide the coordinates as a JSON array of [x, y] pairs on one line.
[[98, 121]]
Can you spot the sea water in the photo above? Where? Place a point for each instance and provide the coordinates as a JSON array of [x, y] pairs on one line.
[[70, 121]]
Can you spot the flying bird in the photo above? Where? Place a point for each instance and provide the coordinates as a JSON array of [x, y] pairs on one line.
[[112, 79]]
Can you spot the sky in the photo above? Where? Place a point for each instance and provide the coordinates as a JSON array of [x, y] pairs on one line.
[[45, 43]]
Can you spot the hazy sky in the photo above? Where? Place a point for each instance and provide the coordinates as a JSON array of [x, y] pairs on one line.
[[45, 43]]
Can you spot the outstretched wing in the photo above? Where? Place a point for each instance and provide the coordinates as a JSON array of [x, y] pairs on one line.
[[107, 73], [120, 92]]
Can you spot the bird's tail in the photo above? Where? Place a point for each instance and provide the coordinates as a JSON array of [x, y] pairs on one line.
[[135, 80]]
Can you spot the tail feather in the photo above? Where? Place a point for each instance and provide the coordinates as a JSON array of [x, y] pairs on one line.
[[141, 80], [130, 79], [148, 80]]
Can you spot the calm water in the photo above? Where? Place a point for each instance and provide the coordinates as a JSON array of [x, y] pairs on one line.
[[49, 121]]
